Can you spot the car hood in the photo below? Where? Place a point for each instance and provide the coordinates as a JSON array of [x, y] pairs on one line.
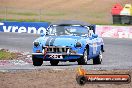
[[60, 40]]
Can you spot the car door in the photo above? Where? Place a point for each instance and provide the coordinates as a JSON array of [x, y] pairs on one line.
[[96, 46], [92, 44], [93, 48]]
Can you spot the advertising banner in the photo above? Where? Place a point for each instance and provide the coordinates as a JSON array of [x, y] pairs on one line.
[[24, 27], [114, 31]]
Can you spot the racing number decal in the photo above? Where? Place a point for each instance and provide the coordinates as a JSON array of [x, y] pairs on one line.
[[94, 48]]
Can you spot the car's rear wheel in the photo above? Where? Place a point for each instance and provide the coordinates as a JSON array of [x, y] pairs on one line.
[[37, 61], [98, 59], [54, 63], [83, 60]]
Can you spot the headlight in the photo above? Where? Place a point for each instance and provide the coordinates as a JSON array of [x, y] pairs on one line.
[[78, 44], [36, 44]]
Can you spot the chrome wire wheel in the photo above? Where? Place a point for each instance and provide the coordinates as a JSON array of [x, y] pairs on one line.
[[101, 56], [85, 56], [83, 60]]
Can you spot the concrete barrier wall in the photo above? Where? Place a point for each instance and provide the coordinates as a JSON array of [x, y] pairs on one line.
[[40, 27], [114, 31]]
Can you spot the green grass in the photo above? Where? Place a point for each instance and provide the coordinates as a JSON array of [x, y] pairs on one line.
[[5, 55], [23, 14], [20, 13], [34, 20], [23, 20]]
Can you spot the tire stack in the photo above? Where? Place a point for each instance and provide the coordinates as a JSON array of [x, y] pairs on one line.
[[122, 15], [115, 11]]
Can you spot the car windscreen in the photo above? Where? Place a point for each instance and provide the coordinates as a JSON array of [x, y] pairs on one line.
[[68, 30]]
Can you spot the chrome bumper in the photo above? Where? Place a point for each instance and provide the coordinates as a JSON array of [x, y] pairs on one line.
[[56, 53]]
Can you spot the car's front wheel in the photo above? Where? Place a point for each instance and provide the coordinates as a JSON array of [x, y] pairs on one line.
[[98, 59], [37, 61], [83, 60], [54, 63]]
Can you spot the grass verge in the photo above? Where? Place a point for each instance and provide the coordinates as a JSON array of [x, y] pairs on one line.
[[6, 55], [23, 20]]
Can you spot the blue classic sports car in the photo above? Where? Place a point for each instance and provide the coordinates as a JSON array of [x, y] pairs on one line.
[[68, 41]]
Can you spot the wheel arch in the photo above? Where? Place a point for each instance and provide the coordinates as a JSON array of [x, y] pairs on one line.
[[102, 48]]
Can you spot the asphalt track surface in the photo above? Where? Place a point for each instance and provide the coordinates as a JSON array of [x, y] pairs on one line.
[[117, 55]]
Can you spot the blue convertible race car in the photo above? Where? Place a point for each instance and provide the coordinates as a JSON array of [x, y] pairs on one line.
[[68, 41]]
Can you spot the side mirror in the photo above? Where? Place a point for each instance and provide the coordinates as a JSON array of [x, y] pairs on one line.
[[94, 35], [93, 27]]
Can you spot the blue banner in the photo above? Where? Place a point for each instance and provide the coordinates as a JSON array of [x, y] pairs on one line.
[[24, 27]]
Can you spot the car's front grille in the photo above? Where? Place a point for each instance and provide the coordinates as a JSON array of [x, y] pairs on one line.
[[54, 49]]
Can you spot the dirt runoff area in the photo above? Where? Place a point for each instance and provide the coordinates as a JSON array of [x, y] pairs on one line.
[[54, 79]]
